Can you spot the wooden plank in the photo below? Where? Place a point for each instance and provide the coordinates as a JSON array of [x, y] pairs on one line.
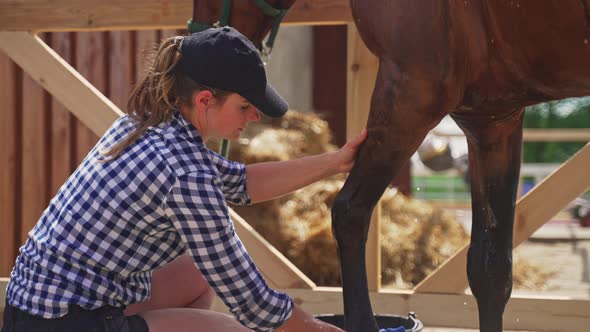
[[458, 310], [167, 33], [552, 194], [319, 12], [8, 165], [3, 284], [278, 271], [121, 66], [35, 156], [533, 210], [91, 62], [61, 123], [541, 135], [147, 42], [60, 79], [361, 74], [556, 135], [74, 15]]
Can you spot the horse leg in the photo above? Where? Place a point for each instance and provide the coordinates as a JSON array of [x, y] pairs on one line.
[[402, 112], [494, 157]]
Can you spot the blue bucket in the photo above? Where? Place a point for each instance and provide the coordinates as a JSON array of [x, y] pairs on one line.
[[410, 323]]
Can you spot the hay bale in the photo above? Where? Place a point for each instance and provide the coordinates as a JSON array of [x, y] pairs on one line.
[[415, 238], [294, 135], [275, 145]]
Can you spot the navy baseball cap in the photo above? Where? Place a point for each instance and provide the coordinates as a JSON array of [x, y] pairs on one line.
[[225, 59]]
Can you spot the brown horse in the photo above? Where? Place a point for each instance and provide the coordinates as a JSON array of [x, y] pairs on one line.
[[481, 62]]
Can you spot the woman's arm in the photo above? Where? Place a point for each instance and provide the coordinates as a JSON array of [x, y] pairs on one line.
[[274, 179]]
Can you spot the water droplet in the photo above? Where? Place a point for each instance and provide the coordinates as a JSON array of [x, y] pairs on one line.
[[465, 303], [586, 41]]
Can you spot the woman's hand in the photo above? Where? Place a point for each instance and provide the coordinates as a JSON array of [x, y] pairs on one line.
[[303, 321], [347, 154]]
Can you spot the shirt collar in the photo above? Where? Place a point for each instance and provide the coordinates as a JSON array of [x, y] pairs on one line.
[[181, 123]]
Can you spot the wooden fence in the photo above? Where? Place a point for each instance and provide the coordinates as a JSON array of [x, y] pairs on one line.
[[42, 143]]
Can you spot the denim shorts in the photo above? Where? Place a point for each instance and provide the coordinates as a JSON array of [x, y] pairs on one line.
[[105, 319]]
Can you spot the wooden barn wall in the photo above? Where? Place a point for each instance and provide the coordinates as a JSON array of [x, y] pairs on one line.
[[42, 143]]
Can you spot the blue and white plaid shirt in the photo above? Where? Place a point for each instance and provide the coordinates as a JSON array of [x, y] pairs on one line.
[[112, 223]]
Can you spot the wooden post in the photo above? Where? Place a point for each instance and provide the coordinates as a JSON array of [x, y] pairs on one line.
[[91, 63], [8, 166], [35, 157], [361, 75], [146, 44], [62, 156]]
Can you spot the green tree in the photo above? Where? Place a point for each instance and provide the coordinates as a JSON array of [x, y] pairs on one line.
[[567, 113]]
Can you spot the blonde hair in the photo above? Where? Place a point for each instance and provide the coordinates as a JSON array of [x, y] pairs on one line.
[[159, 93]]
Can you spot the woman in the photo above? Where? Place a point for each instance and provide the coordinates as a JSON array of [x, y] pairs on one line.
[[139, 237]]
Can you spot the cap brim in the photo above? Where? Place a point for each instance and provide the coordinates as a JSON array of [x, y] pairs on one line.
[[272, 104]]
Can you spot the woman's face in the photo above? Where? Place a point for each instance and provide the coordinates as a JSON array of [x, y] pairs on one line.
[[230, 118]]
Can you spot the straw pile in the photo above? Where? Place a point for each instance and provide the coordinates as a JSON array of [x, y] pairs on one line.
[[416, 236]]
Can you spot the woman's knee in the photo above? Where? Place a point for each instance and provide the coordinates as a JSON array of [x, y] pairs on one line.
[[204, 300], [178, 284]]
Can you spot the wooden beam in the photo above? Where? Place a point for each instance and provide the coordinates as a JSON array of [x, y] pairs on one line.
[[75, 15], [556, 135], [33, 176], [3, 284], [361, 74], [533, 210], [62, 133], [528, 313], [9, 165], [458, 310], [48, 69], [92, 63], [278, 271], [541, 135]]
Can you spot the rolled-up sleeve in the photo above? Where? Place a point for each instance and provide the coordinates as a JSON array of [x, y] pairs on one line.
[[233, 178], [198, 211]]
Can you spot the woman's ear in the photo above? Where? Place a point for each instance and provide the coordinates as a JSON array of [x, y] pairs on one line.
[[203, 100]]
